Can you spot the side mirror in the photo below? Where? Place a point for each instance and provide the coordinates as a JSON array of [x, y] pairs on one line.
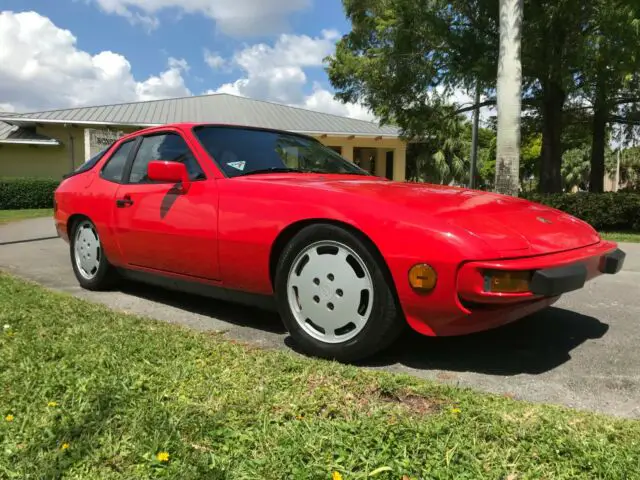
[[169, 172]]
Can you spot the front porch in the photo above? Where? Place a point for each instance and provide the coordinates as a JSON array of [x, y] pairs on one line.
[[384, 157]]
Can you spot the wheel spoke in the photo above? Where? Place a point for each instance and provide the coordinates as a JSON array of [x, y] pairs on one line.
[[359, 320], [84, 264]]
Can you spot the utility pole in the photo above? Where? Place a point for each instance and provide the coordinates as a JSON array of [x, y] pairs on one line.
[[474, 138], [617, 186]]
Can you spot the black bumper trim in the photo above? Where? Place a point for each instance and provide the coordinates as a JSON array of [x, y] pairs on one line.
[[551, 282], [612, 263]]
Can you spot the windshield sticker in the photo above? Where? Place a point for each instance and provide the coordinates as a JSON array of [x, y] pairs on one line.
[[237, 165]]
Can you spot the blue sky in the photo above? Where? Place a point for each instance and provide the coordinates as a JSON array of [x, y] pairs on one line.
[[270, 49]]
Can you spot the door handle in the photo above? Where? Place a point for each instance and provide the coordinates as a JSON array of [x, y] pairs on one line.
[[124, 202]]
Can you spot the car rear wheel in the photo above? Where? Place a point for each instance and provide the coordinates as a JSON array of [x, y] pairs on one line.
[[90, 265], [333, 295]]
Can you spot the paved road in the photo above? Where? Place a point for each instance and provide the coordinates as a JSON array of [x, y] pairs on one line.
[[583, 353]]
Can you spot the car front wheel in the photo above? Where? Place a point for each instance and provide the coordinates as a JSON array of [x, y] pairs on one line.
[[90, 265], [333, 295]]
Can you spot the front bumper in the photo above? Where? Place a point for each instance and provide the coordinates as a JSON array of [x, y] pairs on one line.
[[613, 262], [551, 282], [460, 305], [551, 275]]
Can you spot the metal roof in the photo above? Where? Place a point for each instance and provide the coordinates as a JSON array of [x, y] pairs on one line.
[[215, 108], [14, 134]]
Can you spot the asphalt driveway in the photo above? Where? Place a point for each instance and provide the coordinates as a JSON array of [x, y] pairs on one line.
[[582, 353]]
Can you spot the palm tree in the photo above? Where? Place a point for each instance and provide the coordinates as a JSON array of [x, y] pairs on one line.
[[509, 98], [576, 166], [443, 158]]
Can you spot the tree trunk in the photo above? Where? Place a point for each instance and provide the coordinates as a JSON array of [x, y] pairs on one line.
[[509, 98], [551, 154], [474, 139], [598, 144]]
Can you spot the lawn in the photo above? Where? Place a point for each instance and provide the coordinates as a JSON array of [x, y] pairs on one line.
[[7, 216], [622, 236], [92, 393]]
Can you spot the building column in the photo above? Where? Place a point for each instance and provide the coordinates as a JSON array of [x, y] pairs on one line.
[[381, 162], [347, 152], [400, 164]]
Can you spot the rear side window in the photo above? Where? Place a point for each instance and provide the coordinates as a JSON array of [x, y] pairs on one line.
[[89, 164], [114, 169]]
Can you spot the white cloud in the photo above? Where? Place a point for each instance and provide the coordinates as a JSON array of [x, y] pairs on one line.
[[298, 50], [214, 60], [275, 73], [323, 101], [178, 64], [41, 68], [236, 18]]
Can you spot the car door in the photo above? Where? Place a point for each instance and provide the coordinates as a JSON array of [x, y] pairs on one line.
[[159, 227]]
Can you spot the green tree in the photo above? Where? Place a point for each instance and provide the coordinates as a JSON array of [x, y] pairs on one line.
[[608, 78], [629, 167], [403, 57]]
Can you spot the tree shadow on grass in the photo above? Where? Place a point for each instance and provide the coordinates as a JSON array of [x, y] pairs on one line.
[[82, 432], [534, 345]]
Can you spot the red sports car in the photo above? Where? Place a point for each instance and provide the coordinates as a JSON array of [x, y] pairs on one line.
[[276, 218]]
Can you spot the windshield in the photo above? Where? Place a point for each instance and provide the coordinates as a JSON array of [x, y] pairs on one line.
[[243, 151]]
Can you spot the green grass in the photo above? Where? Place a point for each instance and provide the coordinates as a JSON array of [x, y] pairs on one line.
[[621, 236], [7, 216], [126, 388]]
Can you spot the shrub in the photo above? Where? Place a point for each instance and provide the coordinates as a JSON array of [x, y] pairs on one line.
[[22, 193], [604, 211]]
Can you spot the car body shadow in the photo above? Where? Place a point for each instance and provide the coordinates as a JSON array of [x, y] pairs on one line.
[[229, 312], [533, 345]]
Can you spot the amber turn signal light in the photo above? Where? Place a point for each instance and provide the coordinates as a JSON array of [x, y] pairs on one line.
[[422, 277], [507, 282]]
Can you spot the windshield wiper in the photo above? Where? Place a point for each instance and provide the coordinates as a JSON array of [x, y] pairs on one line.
[[324, 172], [272, 170]]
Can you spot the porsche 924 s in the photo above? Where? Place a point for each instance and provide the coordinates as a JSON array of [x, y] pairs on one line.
[[274, 218]]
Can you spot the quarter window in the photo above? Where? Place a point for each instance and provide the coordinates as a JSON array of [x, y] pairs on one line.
[[114, 169], [168, 147]]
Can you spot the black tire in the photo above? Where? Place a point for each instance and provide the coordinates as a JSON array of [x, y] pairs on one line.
[[385, 322], [106, 275]]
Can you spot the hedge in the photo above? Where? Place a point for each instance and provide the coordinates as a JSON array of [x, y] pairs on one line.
[[604, 211], [22, 193]]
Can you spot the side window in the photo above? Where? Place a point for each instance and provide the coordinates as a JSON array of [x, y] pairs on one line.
[[169, 147], [114, 169]]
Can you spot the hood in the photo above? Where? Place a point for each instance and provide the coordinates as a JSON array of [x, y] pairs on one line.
[[509, 225]]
